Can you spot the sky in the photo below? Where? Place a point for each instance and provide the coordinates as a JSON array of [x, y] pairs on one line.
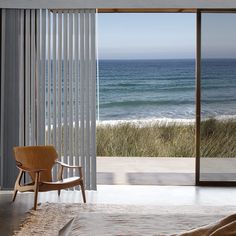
[[164, 35], [218, 35], [146, 35]]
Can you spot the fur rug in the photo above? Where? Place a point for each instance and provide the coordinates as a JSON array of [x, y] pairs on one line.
[[101, 219]]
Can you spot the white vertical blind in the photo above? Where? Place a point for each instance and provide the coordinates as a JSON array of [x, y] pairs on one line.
[[27, 78], [30, 79], [48, 77], [59, 104], [58, 85], [93, 75], [86, 88], [54, 89], [71, 106], [71, 95], [42, 107], [65, 89], [38, 78], [76, 70], [54, 81], [81, 89]]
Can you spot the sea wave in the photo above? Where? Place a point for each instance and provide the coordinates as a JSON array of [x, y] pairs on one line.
[[161, 121], [222, 118], [147, 122]]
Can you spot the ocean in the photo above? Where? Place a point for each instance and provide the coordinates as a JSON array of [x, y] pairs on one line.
[[165, 89]]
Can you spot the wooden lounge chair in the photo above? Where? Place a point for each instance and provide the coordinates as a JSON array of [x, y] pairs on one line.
[[38, 162]]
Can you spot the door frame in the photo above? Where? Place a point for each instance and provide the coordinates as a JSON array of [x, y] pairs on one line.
[[198, 13]]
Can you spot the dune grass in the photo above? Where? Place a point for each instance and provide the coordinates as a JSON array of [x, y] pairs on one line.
[[218, 139]]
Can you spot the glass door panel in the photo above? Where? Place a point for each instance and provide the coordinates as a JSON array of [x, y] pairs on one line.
[[218, 97]]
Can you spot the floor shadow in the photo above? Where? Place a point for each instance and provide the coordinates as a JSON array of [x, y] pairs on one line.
[[105, 178], [139, 178]]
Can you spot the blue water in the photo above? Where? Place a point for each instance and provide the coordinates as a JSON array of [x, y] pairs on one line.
[[153, 89], [218, 87]]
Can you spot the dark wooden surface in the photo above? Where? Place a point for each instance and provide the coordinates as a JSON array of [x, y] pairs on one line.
[[13, 214]]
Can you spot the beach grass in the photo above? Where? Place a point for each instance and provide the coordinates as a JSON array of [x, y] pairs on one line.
[[218, 139]]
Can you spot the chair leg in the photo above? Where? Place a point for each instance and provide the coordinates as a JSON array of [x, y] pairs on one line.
[[83, 192], [36, 189], [17, 184], [59, 192], [14, 195], [35, 199]]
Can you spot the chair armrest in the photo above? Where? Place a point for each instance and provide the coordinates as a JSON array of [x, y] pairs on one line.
[[30, 170], [67, 166], [62, 165]]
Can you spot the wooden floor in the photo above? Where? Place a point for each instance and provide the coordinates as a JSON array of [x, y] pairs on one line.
[[12, 214]]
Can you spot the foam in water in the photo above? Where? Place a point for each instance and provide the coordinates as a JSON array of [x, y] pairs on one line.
[[160, 121]]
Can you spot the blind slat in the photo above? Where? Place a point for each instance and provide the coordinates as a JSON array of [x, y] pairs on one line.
[[49, 78], [76, 71], [71, 104], [21, 82], [87, 98], [65, 87], [59, 82], [54, 102], [82, 69], [27, 78], [42, 78], [32, 78], [38, 80], [93, 99]]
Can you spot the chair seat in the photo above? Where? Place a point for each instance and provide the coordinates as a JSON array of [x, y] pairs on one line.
[[61, 184]]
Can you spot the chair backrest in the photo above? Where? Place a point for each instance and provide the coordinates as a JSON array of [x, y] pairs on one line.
[[37, 157]]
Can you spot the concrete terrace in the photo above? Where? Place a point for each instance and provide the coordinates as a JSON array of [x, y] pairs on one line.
[[161, 170]]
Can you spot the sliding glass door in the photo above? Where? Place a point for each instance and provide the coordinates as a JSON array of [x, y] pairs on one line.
[[218, 98]]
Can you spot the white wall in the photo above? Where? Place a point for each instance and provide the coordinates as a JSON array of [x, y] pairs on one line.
[[118, 4]]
